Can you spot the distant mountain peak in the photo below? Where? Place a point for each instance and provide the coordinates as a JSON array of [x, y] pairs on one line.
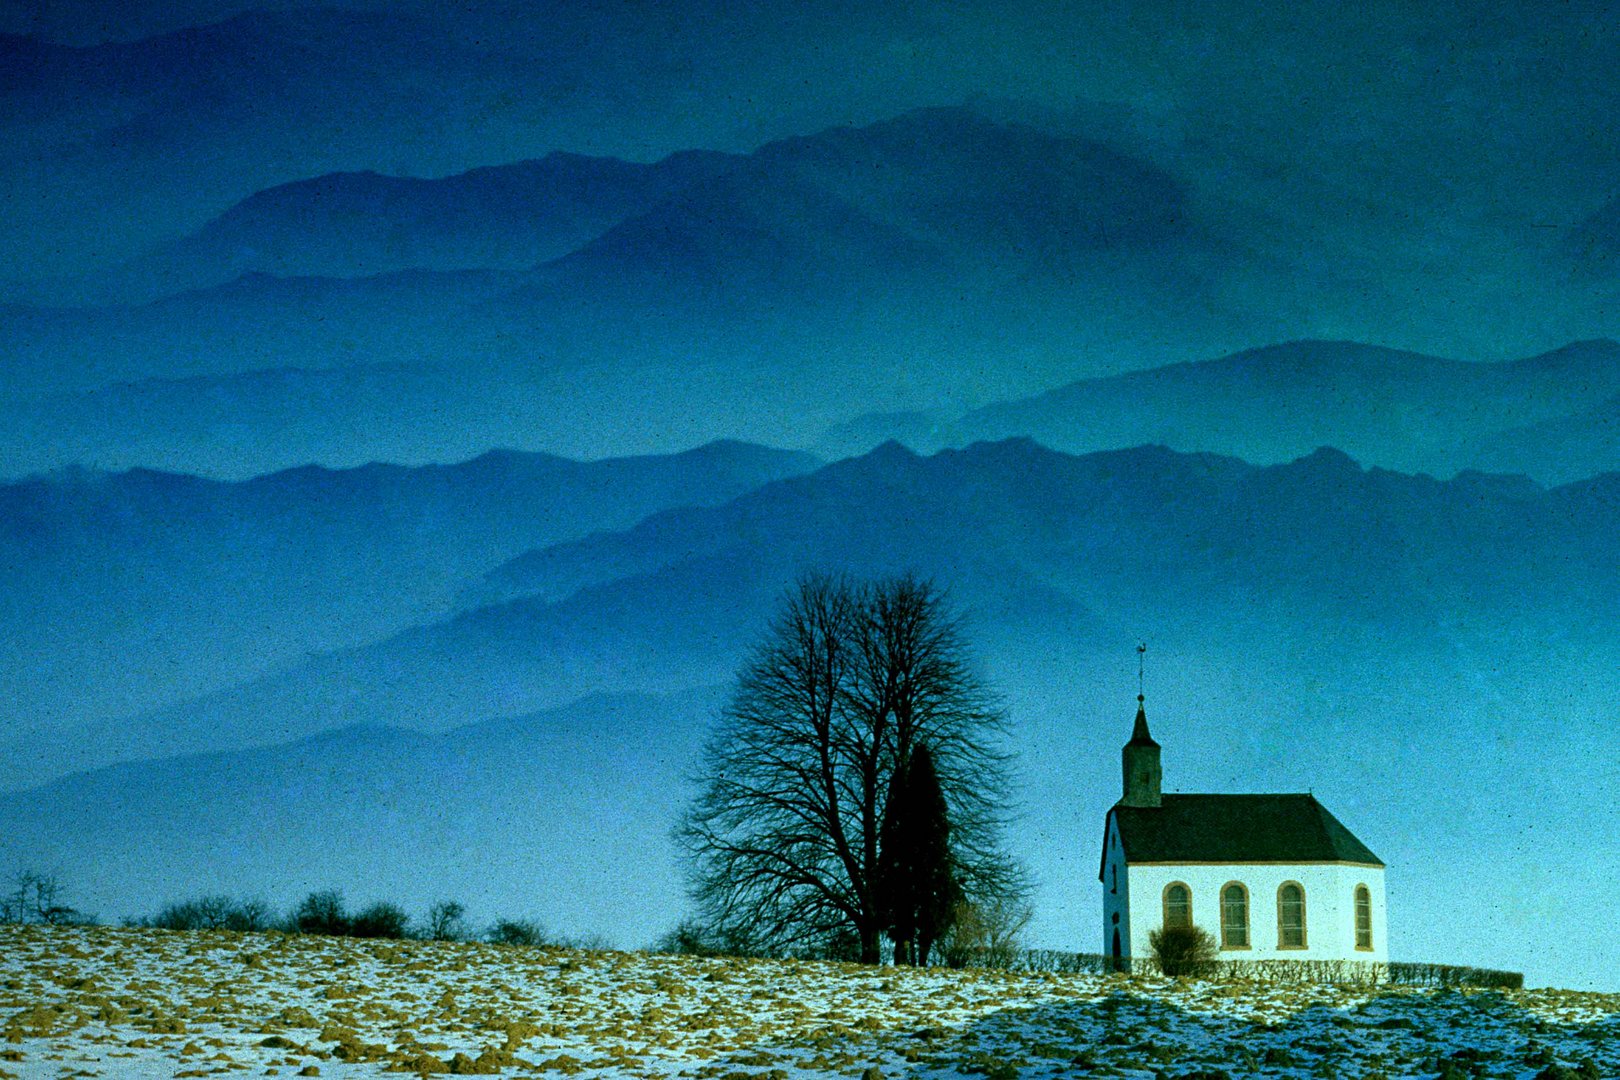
[[362, 222], [1330, 457], [892, 450]]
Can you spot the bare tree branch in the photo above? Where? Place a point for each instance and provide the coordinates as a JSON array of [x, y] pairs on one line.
[[784, 835]]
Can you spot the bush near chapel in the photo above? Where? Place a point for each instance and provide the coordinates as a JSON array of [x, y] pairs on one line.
[[1183, 950]]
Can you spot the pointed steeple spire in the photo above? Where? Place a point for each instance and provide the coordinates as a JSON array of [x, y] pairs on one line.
[[1139, 731], [1140, 758]]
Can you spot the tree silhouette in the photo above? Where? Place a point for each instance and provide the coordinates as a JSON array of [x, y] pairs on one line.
[[38, 897], [917, 885], [848, 681], [445, 921]]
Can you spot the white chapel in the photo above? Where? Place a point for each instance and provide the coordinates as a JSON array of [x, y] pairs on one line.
[[1271, 877]]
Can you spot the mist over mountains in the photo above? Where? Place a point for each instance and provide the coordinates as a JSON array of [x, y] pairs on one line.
[[1551, 416], [1036, 545], [1299, 605], [790, 267], [131, 590], [947, 259], [363, 224], [272, 96], [354, 806]]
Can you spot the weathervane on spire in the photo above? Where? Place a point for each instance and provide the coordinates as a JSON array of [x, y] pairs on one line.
[[1141, 672]]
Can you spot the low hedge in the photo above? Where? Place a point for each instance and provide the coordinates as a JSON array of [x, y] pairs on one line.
[[1350, 972], [1454, 975]]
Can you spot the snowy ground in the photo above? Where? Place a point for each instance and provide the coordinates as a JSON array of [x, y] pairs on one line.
[[81, 1002]]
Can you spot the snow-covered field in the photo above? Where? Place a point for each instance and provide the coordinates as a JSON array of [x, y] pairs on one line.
[[81, 1002]]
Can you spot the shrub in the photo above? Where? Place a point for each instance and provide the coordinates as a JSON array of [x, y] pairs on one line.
[[321, 913], [1183, 950], [213, 913], [1065, 963], [692, 938], [251, 915], [986, 934], [1300, 972], [517, 932], [592, 942], [445, 922], [380, 920], [203, 913]]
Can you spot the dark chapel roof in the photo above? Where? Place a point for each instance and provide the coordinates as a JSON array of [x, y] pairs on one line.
[[1237, 829]]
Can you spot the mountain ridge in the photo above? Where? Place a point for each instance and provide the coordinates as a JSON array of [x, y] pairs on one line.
[[1407, 411], [1031, 540], [306, 560], [365, 223], [803, 258]]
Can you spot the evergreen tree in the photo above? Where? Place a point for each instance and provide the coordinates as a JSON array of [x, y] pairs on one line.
[[896, 890], [916, 879]]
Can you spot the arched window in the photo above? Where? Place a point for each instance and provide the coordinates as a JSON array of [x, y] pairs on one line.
[[1363, 918], [1234, 916], [1177, 905], [1291, 916]]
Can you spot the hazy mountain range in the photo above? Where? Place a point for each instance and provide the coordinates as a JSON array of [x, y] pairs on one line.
[[273, 96], [1299, 605], [363, 224], [130, 590], [1036, 544], [113, 109], [795, 264], [1552, 417], [942, 256]]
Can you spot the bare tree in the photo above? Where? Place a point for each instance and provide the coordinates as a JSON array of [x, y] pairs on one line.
[[38, 898], [445, 921], [986, 933], [785, 834], [916, 683]]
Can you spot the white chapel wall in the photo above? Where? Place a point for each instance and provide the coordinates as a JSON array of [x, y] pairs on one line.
[[1116, 901], [1329, 906]]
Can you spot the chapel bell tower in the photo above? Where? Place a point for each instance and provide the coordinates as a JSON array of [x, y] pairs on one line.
[[1141, 760], [1143, 775]]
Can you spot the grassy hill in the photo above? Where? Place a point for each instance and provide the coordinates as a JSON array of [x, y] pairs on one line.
[[146, 1003]]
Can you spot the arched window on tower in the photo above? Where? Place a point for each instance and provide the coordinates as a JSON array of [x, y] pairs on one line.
[[1234, 916], [1291, 916], [1177, 905], [1363, 918]]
